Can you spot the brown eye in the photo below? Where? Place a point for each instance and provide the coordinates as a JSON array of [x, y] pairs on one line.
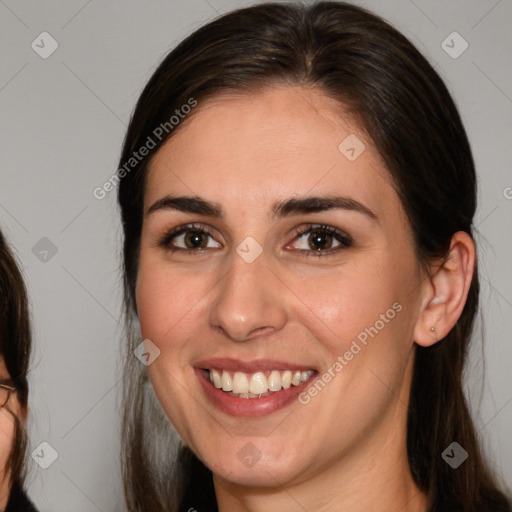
[[195, 239], [190, 237], [320, 240]]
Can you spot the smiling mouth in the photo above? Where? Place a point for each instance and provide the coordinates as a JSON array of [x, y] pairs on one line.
[[256, 385]]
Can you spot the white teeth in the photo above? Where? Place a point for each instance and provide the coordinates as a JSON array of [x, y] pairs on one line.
[[286, 379], [215, 378], [227, 383], [274, 381], [240, 383], [304, 376], [257, 384]]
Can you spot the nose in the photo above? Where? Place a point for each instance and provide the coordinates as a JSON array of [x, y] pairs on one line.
[[249, 301]]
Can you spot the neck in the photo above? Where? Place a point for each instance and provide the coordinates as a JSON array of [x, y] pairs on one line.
[[387, 487], [5, 489]]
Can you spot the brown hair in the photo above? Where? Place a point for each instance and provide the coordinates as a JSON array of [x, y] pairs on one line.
[[357, 58], [15, 343]]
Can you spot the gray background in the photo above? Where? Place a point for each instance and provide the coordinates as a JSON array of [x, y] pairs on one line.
[[62, 124]]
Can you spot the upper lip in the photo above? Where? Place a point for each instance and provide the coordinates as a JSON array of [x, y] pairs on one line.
[[252, 366]]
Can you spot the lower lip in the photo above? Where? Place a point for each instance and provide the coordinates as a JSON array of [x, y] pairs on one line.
[[251, 407]]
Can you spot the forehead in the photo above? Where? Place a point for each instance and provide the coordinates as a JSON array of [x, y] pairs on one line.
[[251, 149]]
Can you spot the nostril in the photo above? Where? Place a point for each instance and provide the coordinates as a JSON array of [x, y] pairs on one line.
[[260, 330]]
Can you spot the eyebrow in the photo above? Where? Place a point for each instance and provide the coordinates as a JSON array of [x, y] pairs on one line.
[[309, 204]]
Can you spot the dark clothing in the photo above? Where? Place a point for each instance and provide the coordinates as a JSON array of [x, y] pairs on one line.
[[19, 502]]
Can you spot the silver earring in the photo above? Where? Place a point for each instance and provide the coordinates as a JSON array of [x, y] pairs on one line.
[[432, 329]]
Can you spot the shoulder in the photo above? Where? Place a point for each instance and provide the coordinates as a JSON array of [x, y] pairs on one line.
[[19, 502]]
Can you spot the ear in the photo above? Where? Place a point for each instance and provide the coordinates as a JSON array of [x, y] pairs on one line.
[[446, 292]]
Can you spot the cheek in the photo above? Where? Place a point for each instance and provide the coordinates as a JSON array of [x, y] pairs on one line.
[[6, 436], [158, 297], [341, 305], [166, 301]]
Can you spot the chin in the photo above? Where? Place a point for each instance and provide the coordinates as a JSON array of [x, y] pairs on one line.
[[249, 466]]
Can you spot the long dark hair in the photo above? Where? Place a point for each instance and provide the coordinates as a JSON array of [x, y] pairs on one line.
[[15, 344], [357, 58]]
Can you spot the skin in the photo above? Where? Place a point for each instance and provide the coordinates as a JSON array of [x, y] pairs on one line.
[[7, 431], [345, 449]]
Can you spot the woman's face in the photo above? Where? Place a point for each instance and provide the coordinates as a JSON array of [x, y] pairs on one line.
[[243, 293]]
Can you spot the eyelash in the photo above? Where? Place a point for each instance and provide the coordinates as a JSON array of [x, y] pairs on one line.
[[341, 237]]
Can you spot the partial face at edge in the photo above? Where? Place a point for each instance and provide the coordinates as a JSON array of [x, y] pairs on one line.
[[7, 433], [304, 300]]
